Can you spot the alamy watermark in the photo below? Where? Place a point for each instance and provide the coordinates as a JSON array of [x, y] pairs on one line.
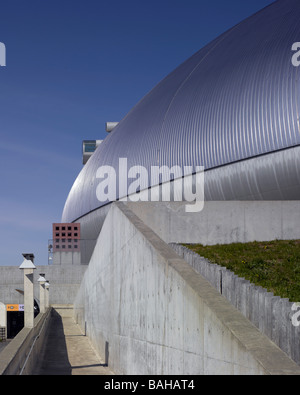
[[2, 55], [166, 184], [296, 56], [296, 316], [296, 63]]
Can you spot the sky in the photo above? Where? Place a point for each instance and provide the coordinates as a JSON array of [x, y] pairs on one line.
[[70, 67]]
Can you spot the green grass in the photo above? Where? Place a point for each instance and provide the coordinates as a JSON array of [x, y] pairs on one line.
[[274, 265]]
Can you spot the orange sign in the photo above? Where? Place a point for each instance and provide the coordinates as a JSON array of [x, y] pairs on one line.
[[12, 307]]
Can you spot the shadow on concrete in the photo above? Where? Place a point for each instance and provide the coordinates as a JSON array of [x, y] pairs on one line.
[[54, 359], [89, 366]]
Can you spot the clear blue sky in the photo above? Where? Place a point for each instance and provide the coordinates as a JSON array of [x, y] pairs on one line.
[[70, 67]]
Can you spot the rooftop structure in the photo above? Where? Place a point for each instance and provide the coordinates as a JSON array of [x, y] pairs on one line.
[[88, 148]]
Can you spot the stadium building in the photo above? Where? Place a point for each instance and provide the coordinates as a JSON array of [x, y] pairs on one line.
[[229, 113], [233, 108]]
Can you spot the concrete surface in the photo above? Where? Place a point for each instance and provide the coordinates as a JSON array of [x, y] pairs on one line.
[[271, 314], [221, 222], [157, 315], [3, 314], [20, 355], [64, 283], [68, 352], [4, 344]]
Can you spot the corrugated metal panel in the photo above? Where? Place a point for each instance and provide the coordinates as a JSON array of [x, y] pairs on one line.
[[235, 99]]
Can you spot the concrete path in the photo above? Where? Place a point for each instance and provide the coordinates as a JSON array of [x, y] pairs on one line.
[[69, 352]]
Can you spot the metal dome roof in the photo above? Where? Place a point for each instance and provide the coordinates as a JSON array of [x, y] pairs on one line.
[[235, 99]]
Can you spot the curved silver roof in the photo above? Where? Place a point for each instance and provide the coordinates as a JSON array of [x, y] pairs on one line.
[[235, 99]]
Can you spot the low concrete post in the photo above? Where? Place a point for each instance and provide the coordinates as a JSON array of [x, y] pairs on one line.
[[28, 267], [42, 282], [3, 321], [47, 286]]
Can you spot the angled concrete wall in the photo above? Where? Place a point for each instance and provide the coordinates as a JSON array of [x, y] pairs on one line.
[[222, 222], [147, 311], [21, 355], [271, 314]]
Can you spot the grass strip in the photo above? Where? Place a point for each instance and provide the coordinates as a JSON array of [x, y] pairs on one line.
[[274, 265]]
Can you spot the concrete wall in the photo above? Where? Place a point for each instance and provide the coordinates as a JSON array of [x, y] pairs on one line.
[[3, 322], [2, 315], [149, 312], [222, 222], [66, 258], [271, 314], [64, 283], [20, 356]]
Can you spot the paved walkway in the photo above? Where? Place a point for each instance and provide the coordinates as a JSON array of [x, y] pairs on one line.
[[69, 352]]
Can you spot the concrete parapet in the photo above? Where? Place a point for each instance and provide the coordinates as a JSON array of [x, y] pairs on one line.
[[20, 356], [221, 222], [150, 312], [271, 314]]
